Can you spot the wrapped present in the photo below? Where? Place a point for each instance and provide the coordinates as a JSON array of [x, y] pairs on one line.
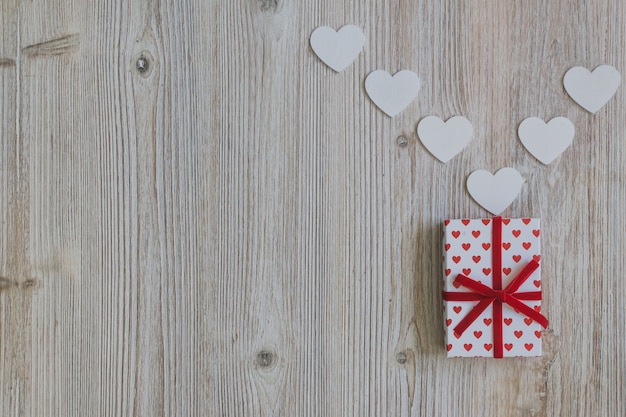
[[492, 287]]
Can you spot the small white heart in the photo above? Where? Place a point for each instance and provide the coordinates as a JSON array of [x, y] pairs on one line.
[[592, 90], [444, 139], [337, 49], [392, 94], [546, 141], [495, 192]]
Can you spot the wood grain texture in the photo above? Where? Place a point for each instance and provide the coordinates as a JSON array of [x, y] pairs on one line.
[[235, 231]]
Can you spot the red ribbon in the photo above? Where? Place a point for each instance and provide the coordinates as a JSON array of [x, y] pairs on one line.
[[496, 295]]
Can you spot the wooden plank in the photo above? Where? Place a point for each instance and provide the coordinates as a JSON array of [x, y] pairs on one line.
[[63, 248], [113, 212], [15, 277], [228, 227]]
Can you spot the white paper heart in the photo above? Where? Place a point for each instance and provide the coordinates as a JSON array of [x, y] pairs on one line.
[[392, 94], [444, 139], [546, 141], [592, 90], [337, 49], [495, 192]]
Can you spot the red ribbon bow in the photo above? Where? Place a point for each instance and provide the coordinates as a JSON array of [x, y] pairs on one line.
[[496, 295]]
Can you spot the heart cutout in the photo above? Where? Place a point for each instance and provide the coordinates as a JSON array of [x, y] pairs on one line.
[[592, 90], [495, 192], [392, 94], [546, 141], [446, 139], [337, 49]]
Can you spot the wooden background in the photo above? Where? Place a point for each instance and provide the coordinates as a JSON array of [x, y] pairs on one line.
[[236, 232]]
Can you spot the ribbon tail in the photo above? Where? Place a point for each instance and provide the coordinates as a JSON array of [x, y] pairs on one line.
[[527, 311], [522, 276], [472, 315]]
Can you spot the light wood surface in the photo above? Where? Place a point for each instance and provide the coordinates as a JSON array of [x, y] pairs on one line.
[[236, 232]]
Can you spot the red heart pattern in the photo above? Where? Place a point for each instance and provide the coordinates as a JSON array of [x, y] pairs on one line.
[[468, 250]]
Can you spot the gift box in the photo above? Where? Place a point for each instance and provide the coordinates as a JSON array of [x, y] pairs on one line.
[[492, 287]]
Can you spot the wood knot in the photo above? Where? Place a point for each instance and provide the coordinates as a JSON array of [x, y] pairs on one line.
[[4, 283], [58, 46], [29, 283], [265, 358], [7, 62], [144, 64], [402, 141], [268, 6]]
